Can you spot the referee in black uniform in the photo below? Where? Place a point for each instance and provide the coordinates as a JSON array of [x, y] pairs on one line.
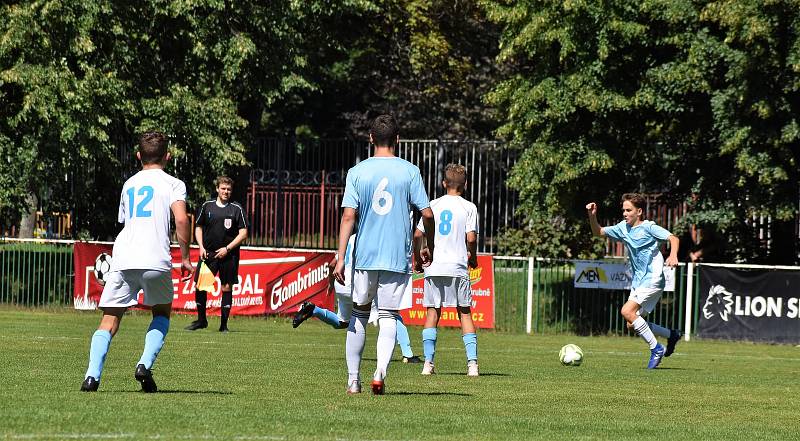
[[220, 229]]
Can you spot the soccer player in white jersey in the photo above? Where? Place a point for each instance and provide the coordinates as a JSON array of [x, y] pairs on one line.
[[642, 238], [344, 300], [142, 260], [380, 192], [447, 278]]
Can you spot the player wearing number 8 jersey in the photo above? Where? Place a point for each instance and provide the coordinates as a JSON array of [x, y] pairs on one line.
[[142, 260], [380, 193], [447, 279]]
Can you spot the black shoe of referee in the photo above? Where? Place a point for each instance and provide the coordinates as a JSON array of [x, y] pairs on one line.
[[197, 324]]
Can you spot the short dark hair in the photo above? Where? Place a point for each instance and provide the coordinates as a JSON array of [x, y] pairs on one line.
[[384, 131], [455, 175], [224, 180], [638, 200], [152, 147]]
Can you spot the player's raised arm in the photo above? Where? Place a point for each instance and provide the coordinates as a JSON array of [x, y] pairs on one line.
[[183, 233], [345, 230], [591, 211]]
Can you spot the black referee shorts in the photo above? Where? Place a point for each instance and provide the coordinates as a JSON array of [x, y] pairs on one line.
[[227, 269]]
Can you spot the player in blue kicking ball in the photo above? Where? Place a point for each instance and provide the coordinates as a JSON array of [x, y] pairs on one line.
[[344, 301], [142, 259], [642, 239], [447, 278], [379, 194]]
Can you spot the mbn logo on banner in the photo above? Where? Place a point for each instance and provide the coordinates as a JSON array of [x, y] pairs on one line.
[[611, 275], [752, 305]]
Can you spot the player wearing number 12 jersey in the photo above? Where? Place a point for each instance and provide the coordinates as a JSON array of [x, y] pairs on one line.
[[142, 260], [380, 193]]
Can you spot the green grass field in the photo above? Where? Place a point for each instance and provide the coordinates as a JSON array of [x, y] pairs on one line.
[[267, 381]]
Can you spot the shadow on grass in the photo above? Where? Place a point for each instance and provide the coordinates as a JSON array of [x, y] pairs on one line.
[[179, 391], [483, 374], [431, 394]]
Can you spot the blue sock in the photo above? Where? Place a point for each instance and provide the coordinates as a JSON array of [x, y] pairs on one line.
[[429, 343], [471, 345], [327, 316], [101, 340], [154, 340], [403, 339]]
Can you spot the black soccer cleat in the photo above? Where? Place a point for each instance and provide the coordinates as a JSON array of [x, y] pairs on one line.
[[197, 324], [224, 329], [412, 359], [304, 313], [145, 377], [674, 337], [90, 384]]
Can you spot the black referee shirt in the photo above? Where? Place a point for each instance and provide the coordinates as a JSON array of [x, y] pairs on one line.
[[220, 225]]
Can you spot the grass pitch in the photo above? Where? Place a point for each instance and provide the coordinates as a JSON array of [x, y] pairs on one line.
[[267, 381]]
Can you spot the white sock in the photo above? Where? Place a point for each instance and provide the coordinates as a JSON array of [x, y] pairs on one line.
[[354, 345], [387, 338], [659, 330], [641, 328]]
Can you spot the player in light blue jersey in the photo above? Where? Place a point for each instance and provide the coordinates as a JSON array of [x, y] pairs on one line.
[[142, 259], [642, 239], [344, 300], [380, 192]]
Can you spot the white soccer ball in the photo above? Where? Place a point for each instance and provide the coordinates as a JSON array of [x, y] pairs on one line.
[[102, 266], [571, 355]]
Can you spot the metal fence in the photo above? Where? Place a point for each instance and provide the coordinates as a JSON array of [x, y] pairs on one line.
[[531, 295], [295, 189], [36, 274]]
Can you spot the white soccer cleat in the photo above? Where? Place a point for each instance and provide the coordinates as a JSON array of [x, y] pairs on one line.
[[354, 387], [427, 368], [472, 368]]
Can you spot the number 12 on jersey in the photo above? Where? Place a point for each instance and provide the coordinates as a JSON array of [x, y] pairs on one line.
[[141, 209]]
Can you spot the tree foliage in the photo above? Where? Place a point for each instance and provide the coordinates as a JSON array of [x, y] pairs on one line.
[[695, 99]]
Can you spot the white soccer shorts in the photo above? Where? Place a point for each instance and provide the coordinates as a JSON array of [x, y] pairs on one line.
[[385, 287], [344, 300], [647, 298], [122, 288], [447, 291]]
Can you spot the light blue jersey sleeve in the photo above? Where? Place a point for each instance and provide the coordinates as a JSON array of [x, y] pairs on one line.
[[616, 232], [350, 198], [419, 197], [659, 233]]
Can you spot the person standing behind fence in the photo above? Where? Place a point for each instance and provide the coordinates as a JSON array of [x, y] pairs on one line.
[[447, 278], [220, 229], [380, 192], [642, 238], [142, 259]]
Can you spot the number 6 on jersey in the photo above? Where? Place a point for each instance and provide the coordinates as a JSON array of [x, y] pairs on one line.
[[382, 194]]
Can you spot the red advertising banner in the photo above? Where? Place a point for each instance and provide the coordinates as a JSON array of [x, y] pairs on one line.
[[482, 280], [270, 282]]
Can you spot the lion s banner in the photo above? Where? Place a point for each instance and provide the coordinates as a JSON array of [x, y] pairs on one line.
[[270, 282], [482, 280], [752, 305]]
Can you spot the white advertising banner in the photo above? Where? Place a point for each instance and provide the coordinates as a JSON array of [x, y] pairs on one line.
[[611, 275]]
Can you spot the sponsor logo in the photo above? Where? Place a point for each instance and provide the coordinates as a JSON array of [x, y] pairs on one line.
[[592, 274], [475, 275], [291, 285], [719, 302]]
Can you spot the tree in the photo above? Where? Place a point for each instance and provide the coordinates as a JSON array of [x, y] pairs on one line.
[[696, 100], [79, 80]]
